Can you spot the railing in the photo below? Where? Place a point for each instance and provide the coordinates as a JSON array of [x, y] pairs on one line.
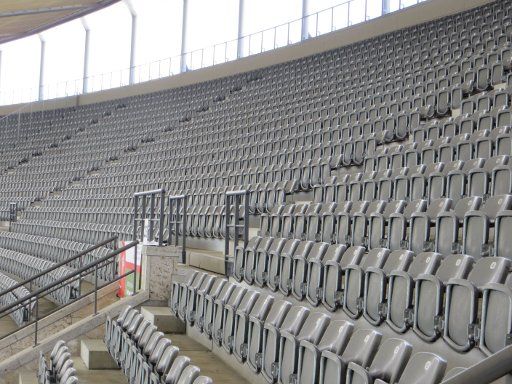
[[79, 274], [487, 370], [30, 282], [238, 223], [149, 210], [343, 15], [178, 223]]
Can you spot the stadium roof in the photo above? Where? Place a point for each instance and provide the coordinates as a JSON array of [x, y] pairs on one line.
[[20, 18]]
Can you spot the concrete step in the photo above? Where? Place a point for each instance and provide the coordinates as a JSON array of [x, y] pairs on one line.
[[94, 355], [163, 319], [27, 378], [212, 261]]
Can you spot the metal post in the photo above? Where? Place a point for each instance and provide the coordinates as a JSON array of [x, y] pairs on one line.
[[304, 29], [152, 217], [240, 42], [133, 45], [143, 217], [36, 325], [183, 65], [85, 80], [183, 232], [385, 6], [135, 271], [41, 67], [95, 289], [161, 219], [135, 216]]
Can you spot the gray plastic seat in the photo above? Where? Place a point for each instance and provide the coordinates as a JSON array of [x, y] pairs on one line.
[[387, 365], [311, 331], [429, 295], [186, 292], [252, 258], [316, 268], [477, 237], [212, 303], [335, 266], [360, 350], [375, 284], [400, 296], [193, 297], [243, 320], [449, 224], [352, 298], [202, 298], [189, 374], [300, 268], [423, 368], [421, 223], [265, 259], [334, 339], [255, 349], [241, 255], [398, 223], [177, 368], [379, 221], [286, 277], [272, 339], [460, 327], [221, 305], [231, 310], [275, 260]]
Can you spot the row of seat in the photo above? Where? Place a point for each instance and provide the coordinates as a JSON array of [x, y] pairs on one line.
[[145, 355], [288, 343], [429, 293], [60, 369], [472, 226]]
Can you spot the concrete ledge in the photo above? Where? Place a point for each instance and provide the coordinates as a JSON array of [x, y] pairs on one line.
[[163, 319], [207, 260], [95, 355]]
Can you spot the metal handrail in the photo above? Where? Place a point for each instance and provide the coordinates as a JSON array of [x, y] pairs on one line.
[[68, 279], [75, 273], [237, 197], [181, 200], [56, 266], [487, 370], [144, 195]]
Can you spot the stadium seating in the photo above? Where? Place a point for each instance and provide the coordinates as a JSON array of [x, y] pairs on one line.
[[382, 176]]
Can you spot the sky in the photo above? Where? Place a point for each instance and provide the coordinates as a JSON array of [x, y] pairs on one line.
[[212, 30]]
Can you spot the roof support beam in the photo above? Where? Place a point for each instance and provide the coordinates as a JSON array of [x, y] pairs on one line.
[[183, 64], [304, 27], [240, 43], [85, 84], [133, 41], [38, 11], [41, 68]]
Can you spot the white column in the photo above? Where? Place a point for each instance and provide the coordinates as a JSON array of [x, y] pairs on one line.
[[304, 31], [41, 67], [133, 46], [183, 64], [85, 80], [240, 44]]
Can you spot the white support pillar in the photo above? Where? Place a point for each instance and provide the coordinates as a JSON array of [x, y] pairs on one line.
[[385, 6], [304, 30], [183, 63], [133, 45], [240, 43], [41, 68], [85, 80]]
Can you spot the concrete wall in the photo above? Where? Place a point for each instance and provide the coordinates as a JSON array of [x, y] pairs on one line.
[[423, 12]]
